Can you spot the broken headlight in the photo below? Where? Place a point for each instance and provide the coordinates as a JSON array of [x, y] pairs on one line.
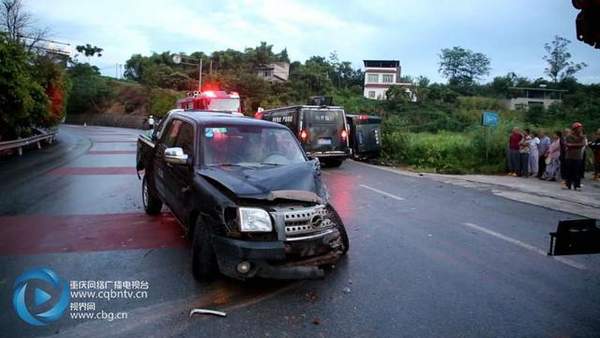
[[254, 220]]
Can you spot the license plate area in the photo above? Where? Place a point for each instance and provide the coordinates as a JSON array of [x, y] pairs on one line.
[[324, 141]]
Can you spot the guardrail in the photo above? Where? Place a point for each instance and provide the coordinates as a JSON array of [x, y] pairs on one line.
[[22, 142]]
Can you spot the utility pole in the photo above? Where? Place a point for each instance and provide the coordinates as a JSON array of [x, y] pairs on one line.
[[178, 59], [200, 76]]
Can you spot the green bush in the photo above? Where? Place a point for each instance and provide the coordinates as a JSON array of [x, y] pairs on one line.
[[161, 101], [480, 103], [90, 92], [23, 101], [448, 152]]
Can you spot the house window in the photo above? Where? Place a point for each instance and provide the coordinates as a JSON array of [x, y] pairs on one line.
[[387, 78], [371, 94], [373, 78]]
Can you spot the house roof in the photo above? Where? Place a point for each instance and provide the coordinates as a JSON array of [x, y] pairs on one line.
[[539, 89], [381, 63]]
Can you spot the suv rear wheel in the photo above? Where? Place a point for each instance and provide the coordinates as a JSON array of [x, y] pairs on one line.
[[152, 204]]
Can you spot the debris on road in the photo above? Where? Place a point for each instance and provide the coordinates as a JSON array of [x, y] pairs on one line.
[[346, 290], [316, 321], [207, 312], [311, 296]]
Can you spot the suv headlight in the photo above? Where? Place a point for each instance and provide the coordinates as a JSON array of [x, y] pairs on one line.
[[254, 220]]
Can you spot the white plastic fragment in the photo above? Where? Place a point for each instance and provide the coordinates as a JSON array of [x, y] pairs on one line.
[[207, 312]]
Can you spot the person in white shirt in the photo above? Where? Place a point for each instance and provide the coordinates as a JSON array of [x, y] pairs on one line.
[[534, 155]]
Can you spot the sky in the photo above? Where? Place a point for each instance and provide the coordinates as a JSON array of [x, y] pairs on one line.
[[511, 33]]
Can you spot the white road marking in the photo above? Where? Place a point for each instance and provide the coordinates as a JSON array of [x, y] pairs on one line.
[[383, 193], [523, 245]]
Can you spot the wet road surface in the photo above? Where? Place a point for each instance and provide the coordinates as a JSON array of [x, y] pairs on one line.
[[426, 258]]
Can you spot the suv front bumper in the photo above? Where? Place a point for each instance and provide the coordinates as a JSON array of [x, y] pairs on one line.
[[278, 259], [341, 155]]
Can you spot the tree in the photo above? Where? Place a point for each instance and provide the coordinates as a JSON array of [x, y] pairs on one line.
[[14, 19], [135, 67], [283, 56], [89, 50], [311, 78], [400, 94], [463, 67], [89, 91], [17, 23], [52, 77], [500, 85], [23, 101], [559, 67], [422, 81], [261, 55]]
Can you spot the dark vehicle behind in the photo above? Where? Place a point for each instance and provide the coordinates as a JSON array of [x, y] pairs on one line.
[[364, 135], [321, 130]]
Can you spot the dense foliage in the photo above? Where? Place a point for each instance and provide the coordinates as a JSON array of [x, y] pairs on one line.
[[237, 71], [25, 80], [438, 131]]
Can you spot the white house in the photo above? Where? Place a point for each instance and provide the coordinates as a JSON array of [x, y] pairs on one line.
[[525, 97], [380, 75], [274, 72]]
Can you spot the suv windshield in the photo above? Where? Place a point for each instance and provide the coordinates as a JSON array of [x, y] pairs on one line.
[[250, 146]]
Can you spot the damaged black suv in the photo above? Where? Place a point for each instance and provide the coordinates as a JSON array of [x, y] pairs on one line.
[[245, 192]]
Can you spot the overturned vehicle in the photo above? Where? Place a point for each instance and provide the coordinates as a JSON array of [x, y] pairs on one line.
[[246, 194]]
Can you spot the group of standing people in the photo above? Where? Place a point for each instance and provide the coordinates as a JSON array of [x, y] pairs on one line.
[[561, 156]]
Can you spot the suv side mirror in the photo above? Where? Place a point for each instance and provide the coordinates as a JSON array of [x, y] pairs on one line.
[[176, 155]]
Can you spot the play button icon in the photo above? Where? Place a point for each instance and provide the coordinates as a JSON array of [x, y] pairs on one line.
[[41, 297]]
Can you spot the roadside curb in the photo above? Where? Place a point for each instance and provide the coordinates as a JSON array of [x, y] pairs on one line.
[[552, 201]]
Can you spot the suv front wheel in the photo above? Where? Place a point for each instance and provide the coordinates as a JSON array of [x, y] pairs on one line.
[[204, 260]]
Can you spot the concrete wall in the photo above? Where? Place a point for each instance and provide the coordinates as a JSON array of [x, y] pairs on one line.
[[379, 93], [275, 72], [513, 103]]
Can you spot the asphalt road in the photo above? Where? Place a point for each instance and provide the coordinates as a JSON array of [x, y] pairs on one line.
[[426, 258]]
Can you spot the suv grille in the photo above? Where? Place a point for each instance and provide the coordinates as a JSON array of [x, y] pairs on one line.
[[306, 221]]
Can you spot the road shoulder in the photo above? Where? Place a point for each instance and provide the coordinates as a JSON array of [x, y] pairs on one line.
[[531, 190]]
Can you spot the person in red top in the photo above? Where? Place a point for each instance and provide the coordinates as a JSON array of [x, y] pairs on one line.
[[514, 142]]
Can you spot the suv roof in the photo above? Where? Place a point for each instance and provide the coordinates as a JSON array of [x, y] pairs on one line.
[[212, 118]]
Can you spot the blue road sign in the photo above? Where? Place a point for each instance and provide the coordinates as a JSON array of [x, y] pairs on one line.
[[490, 119]]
